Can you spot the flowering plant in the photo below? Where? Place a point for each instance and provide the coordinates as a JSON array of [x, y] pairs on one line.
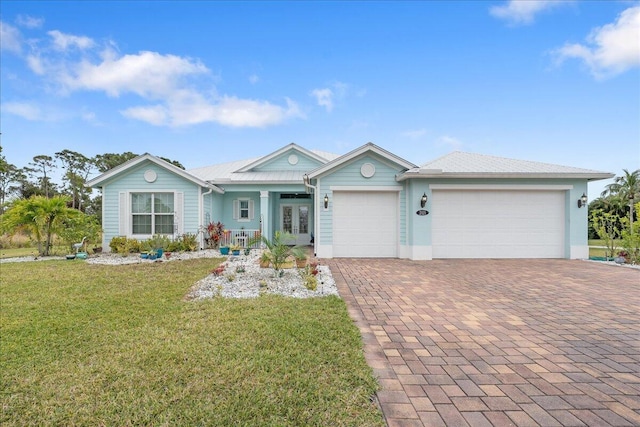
[[215, 231]]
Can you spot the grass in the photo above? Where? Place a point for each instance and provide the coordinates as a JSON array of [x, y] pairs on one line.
[[118, 345], [33, 251]]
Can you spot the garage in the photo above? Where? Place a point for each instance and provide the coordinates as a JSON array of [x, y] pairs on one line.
[[365, 224], [498, 224]]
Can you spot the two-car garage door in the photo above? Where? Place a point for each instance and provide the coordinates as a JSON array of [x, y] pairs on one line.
[[498, 224]]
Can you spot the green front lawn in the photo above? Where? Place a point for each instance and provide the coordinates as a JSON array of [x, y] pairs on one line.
[[118, 345]]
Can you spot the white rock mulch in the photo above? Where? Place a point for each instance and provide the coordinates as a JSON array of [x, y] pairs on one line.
[[254, 281], [250, 283]]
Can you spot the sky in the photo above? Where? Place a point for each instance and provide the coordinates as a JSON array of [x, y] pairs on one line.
[[206, 82]]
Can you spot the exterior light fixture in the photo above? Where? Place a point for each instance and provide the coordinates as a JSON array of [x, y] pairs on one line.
[[326, 201], [423, 200], [582, 201]]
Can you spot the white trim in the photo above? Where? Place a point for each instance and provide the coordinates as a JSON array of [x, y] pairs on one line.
[[178, 211], [237, 209], [365, 188], [416, 253], [367, 148], [124, 211], [95, 182], [268, 157], [579, 252], [524, 187], [324, 251]]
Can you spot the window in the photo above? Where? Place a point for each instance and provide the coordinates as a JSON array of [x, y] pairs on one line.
[[243, 210], [152, 213]]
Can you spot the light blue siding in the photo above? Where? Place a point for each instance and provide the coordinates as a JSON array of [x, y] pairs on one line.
[[133, 180], [281, 163], [350, 174]]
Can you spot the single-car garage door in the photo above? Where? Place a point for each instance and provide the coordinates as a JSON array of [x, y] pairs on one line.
[[365, 224], [498, 224]]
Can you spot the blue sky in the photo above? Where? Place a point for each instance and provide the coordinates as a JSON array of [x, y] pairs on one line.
[[208, 82]]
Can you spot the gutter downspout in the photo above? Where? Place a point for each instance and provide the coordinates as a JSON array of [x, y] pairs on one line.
[[312, 189]]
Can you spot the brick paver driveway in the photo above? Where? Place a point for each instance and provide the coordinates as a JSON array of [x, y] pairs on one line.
[[499, 342]]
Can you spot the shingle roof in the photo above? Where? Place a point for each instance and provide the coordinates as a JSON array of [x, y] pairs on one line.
[[462, 164]]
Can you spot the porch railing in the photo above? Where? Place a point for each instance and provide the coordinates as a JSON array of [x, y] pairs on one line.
[[241, 237]]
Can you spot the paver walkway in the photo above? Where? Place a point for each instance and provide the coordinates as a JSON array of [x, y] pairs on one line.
[[498, 342]]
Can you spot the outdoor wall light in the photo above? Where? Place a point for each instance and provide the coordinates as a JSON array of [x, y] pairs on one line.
[[423, 200], [326, 201], [582, 201]]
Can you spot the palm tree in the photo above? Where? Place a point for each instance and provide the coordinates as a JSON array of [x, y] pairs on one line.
[[626, 188], [40, 216]]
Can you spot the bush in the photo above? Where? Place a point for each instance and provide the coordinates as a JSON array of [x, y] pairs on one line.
[[123, 245], [16, 241], [188, 242]]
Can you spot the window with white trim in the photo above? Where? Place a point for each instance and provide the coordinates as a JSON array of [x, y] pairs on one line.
[[243, 210], [152, 213]]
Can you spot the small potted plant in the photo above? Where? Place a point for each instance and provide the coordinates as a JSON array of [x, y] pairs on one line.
[[235, 249], [224, 250], [265, 259], [300, 255]]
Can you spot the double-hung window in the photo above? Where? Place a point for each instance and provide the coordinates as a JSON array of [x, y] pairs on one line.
[[152, 213], [243, 210]]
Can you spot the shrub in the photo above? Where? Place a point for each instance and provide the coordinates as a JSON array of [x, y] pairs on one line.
[[123, 245]]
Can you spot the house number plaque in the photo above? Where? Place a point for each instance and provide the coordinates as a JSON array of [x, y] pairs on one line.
[[422, 212]]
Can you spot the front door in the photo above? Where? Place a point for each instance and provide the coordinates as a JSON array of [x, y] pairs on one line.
[[295, 220]]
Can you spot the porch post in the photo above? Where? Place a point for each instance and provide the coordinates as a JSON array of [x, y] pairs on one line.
[[264, 214]]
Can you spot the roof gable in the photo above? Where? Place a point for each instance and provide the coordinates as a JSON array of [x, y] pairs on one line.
[[272, 168], [462, 164], [113, 173], [290, 154], [365, 149]]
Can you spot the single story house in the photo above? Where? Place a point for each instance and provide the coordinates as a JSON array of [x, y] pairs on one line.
[[366, 203]]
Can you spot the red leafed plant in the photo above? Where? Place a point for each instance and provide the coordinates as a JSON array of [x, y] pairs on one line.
[[215, 230]]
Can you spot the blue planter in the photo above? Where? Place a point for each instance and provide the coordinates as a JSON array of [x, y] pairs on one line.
[[236, 252], [224, 250]]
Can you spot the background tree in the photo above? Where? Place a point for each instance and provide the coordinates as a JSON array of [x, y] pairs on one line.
[[40, 169], [78, 168], [40, 216], [107, 161], [626, 188], [8, 177]]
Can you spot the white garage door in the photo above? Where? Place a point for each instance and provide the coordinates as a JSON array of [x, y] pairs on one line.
[[365, 224], [498, 224]]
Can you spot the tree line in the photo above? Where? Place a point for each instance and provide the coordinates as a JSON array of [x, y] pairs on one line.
[[35, 179]]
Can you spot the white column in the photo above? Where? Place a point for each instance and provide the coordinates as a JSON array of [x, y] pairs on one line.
[[264, 214]]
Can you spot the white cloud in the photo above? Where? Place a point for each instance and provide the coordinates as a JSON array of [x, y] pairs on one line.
[[177, 91], [415, 133], [228, 111], [22, 109], [10, 39], [254, 78], [148, 74], [29, 21], [35, 64], [64, 42], [611, 49], [523, 11], [324, 98]]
